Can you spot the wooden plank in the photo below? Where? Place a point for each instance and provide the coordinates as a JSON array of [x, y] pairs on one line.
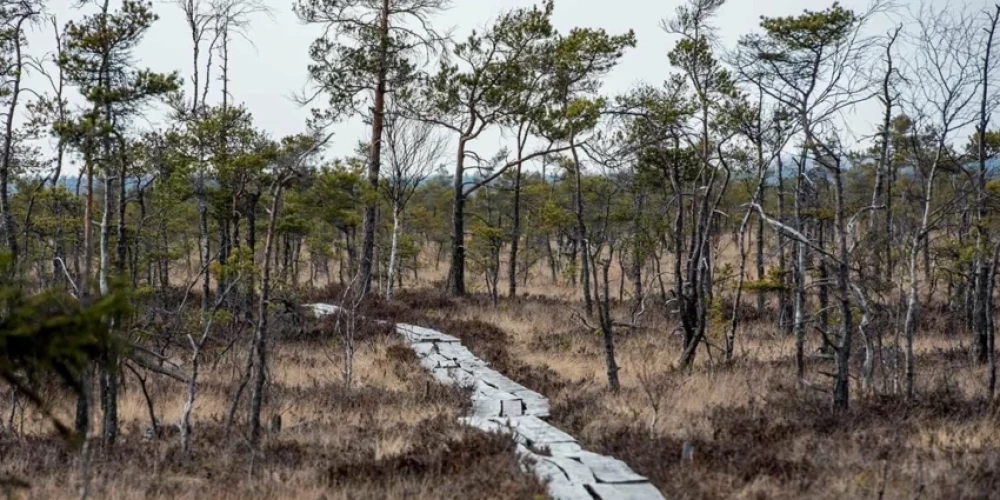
[[499, 381], [420, 334], [609, 470], [463, 377], [536, 431], [511, 408], [538, 408], [637, 491], [534, 403], [487, 408], [565, 490], [435, 360], [455, 351], [559, 486], [484, 391], [569, 450], [472, 364], [575, 471]]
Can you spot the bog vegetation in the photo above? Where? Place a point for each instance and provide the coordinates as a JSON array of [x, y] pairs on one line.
[[728, 263]]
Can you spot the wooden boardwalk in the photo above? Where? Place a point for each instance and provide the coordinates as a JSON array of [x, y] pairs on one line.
[[501, 405]]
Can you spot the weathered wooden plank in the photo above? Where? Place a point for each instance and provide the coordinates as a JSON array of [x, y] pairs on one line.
[[415, 333], [538, 408], [565, 490], [534, 403], [575, 471], [487, 408], [464, 377], [559, 486], [472, 364], [511, 408], [484, 391], [536, 431], [435, 360], [455, 351], [569, 450], [499, 381], [609, 470], [635, 491]]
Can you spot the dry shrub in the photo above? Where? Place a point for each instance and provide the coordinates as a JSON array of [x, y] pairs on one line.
[[470, 465], [394, 433]]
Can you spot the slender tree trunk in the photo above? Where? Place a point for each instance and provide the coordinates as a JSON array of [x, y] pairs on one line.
[[607, 328], [581, 227], [761, 271], [375, 151], [6, 217], [104, 239], [261, 336], [83, 403], [457, 271], [784, 305], [799, 326], [842, 386], [515, 233], [913, 301], [394, 250], [205, 239], [984, 283]]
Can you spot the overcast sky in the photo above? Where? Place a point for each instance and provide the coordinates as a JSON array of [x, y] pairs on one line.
[[266, 74]]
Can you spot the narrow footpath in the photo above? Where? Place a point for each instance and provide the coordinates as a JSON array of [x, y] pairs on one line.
[[501, 405]]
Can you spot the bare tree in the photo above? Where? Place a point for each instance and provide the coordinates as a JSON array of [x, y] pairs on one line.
[[14, 63], [817, 74], [297, 151], [413, 150], [946, 79]]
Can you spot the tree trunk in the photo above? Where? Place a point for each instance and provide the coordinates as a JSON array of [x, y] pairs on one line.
[[799, 326], [393, 251], [456, 273], [375, 150], [515, 232], [261, 335], [842, 386], [581, 227]]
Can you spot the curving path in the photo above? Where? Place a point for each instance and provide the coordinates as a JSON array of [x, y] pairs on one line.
[[501, 405]]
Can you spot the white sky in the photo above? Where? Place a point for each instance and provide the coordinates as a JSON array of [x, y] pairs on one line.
[[265, 75]]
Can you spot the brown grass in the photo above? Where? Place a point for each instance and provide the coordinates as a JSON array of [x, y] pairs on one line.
[[755, 434], [393, 434]]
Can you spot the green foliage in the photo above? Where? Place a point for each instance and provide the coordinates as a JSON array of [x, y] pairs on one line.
[[96, 57], [772, 282], [51, 335], [811, 30], [362, 45]]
